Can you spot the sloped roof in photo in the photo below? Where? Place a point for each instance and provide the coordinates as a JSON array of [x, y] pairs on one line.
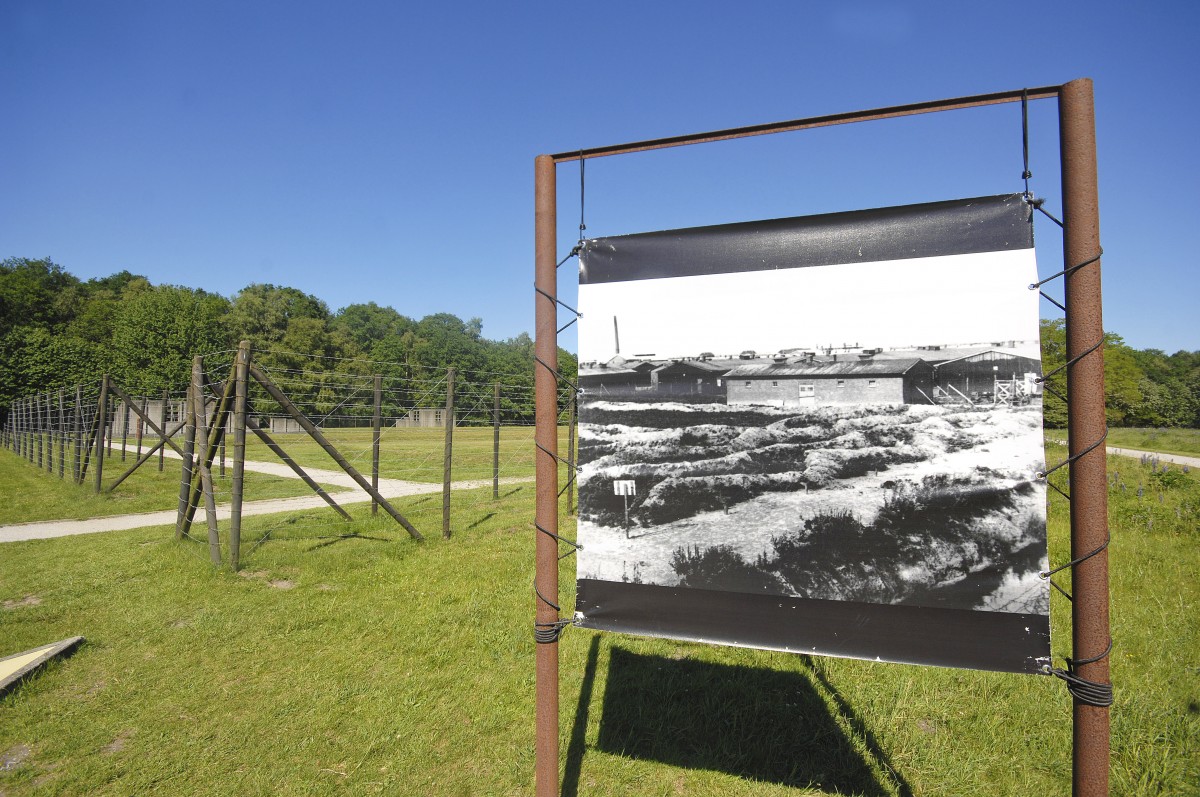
[[825, 368], [716, 369]]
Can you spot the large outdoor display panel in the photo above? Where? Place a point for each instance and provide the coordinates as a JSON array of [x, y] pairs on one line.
[[819, 435]]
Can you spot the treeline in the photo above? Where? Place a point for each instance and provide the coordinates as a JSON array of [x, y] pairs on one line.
[[1142, 387], [57, 330]]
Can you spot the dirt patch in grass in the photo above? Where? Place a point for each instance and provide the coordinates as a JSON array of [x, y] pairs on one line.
[[28, 600], [117, 744], [13, 757], [282, 583], [262, 574]]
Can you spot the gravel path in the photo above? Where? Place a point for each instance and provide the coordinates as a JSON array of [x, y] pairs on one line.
[[1191, 462], [353, 494]]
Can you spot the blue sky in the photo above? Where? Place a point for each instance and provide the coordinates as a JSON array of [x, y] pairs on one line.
[[371, 151]]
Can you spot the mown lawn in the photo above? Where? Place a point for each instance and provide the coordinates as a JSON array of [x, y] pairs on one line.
[[417, 454], [28, 493], [1185, 442], [376, 665]]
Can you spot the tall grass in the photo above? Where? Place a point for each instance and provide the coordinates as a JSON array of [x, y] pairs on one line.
[[376, 665]]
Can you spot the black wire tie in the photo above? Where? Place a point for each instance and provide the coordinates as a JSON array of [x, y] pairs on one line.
[[1052, 301], [1034, 286], [1073, 457], [574, 251], [557, 374], [551, 453], [1073, 360], [1047, 573], [574, 545], [558, 301]]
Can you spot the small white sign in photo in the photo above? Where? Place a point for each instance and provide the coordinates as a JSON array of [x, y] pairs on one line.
[[624, 487]]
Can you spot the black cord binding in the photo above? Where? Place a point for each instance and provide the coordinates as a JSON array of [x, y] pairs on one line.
[[1091, 693]]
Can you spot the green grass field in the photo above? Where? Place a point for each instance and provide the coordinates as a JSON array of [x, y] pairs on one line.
[[28, 493], [1185, 442], [416, 454], [376, 665]]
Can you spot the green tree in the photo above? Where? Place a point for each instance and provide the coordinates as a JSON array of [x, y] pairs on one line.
[[157, 330]]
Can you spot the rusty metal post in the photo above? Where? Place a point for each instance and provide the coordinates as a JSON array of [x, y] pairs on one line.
[[1086, 425], [377, 431], [447, 453], [241, 377], [546, 437], [496, 442]]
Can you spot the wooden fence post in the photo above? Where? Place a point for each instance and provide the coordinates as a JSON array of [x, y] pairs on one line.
[[210, 504], [37, 427], [124, 429], [185, 480], [241, 376], [141, 425], [448, 419], [162, 451], [291, 409], [377, 426], [102, 412], [62, 435], [76, 432]]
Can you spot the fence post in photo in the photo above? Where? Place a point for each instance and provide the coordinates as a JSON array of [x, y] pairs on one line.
[[102, 414], [162, 424], [210, 504], [185, 480], [222, 448], [377, 431], [572, 419], [1086, 425], [239, 453], [448, 420], [496, 441]]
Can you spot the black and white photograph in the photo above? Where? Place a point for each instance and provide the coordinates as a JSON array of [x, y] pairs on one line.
[[825, 409]]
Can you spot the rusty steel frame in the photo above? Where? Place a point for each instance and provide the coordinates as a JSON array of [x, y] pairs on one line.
[[1086, 421]]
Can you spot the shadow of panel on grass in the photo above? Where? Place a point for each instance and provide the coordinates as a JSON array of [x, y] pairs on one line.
[[754, 723]]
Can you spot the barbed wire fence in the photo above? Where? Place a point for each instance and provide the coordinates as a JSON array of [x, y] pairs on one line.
[[63, 430], [421, 436], [459, 435]]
